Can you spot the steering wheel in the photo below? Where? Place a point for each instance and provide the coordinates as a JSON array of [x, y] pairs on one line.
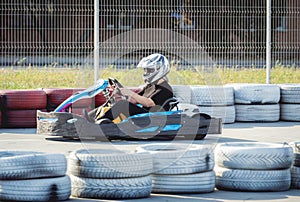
[[117, 85]]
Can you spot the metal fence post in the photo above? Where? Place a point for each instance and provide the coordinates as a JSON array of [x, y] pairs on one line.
[[268, 41], [96, 39]]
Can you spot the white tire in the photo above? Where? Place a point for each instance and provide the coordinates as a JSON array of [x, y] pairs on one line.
[[295, 175], [256, 93], [252, 180], [212, 95], [290, 112], [28, 165], [188, 183], [261, 113], [183, 93], [108, 164], [290, 93], [226, 113], [254, 155], [124, 188], [46, 189], [178, 158]]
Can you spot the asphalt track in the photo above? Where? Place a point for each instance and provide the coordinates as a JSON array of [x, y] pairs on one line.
[[27, 139]]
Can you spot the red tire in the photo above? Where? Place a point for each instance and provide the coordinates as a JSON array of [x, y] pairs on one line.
[[24, 99], [56, 96], [21, 118]]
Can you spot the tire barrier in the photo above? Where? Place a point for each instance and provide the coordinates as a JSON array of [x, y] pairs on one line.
[[19, 107], [256, 93], [244, 166], [290, 93], [256, 102], [290, 102], [21, 118], [179, 168], [216, 101], [257, 113], [105, 174], [183, 93], [295, 170], [227, 113], [33, 176], [212, 95]]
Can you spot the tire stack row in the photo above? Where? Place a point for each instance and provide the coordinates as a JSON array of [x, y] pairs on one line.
[[33, 176], [256, 102], [19, 107], [295, 170], [216, 101], [180, 168], [243, 166], [290, 102], [105, 174]]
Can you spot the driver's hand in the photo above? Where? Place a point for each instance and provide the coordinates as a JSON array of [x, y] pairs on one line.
[[126, 92]]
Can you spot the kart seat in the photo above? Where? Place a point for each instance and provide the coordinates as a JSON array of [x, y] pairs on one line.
[[172, 102]]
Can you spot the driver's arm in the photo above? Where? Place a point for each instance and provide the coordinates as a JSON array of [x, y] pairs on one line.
[[146, 102]]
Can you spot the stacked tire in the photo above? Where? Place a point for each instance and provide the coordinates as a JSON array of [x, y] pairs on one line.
[[19, 107], [290, 102], [107, 174], [216, 101], [243, 166], [180, 168], [295, 170], [33, 176], [256, 102]]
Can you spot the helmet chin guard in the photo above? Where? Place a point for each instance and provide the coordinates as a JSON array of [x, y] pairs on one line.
[[156, 66]]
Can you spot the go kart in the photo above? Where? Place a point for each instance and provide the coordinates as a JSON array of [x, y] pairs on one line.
[[161, 125]]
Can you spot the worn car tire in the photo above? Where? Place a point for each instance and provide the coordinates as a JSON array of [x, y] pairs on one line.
[[256, 93], [178, 158], [290, 112], [295, 175], [123, 188], [212, 95], [21, 118], [254, 155], [258, 113], [108, 164], [290, 93], [28, 165], [45, 189], [252, 180], [226, 113], [184, 183], [24, 99]]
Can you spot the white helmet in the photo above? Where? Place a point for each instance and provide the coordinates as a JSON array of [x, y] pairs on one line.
[[155, 66]]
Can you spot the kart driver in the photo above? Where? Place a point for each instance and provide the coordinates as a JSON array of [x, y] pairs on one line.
[[150, 99]]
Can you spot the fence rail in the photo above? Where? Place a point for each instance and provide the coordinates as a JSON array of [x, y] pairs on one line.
[[205, 32]]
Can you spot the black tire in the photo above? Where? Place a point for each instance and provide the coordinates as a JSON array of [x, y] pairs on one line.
[[124, 188], [254, 155], [290, 93], [252, 180], [46, 189], [296, 149], [185, 183], [260, 113], [178, 158], [108, 164], [290, 112], [29, 165]]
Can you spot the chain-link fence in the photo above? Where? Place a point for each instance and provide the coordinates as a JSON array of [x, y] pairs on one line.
[[201, 32]]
